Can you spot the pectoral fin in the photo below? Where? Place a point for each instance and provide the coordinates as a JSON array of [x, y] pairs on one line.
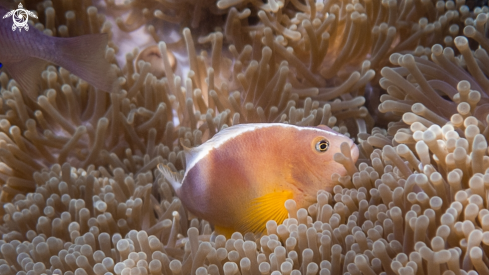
[[27, 73], [268, 207]]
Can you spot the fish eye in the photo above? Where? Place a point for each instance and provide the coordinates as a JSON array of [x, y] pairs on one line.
[[322, 146]]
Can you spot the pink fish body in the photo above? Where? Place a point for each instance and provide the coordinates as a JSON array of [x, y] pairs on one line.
[[241, 178], [25, 54]]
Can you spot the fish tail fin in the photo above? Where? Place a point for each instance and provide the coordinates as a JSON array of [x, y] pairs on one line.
[[84, 56], [172, 177]]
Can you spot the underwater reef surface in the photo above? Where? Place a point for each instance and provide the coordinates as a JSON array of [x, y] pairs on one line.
[[407, 79]]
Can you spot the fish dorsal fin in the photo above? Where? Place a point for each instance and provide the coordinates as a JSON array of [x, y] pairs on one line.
[[268, 207]]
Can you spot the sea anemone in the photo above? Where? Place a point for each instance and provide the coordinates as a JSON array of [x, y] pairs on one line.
[[148, 12], [81, 195]]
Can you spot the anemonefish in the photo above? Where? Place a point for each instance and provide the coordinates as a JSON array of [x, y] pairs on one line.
[[240, 178]]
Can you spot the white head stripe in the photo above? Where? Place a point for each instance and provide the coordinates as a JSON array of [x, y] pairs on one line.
[[198, 153]]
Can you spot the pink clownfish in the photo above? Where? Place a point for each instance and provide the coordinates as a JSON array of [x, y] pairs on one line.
[[240, 178]]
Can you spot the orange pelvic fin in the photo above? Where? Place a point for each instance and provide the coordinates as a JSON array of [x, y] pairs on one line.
[[268, 207]]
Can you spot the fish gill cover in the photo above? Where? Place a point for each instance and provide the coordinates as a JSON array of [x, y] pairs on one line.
[[407, 79]]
